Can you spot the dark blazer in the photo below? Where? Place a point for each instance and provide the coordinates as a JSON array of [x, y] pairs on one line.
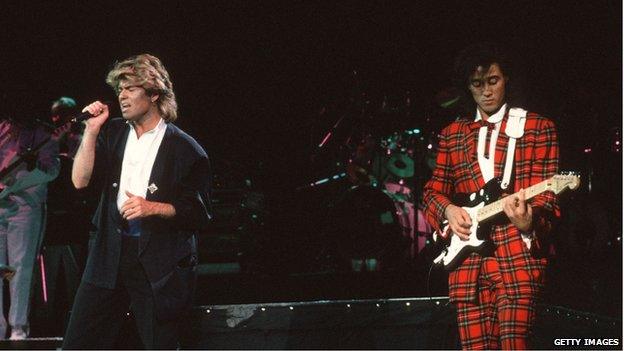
[[167, 247]]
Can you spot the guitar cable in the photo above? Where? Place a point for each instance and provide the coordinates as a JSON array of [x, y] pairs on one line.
[[429, 287], [429, 284]]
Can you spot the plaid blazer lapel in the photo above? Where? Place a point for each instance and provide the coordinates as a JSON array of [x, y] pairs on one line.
[[471, 131]]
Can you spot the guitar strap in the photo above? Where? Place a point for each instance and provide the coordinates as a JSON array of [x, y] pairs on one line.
[[514, 130]]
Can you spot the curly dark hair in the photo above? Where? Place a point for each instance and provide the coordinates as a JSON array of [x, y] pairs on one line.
[[483, 54]]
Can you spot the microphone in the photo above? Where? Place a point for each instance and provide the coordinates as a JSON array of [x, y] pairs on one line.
[[83, 116]]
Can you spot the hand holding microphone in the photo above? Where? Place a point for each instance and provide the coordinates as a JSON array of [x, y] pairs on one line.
[[95, 114]]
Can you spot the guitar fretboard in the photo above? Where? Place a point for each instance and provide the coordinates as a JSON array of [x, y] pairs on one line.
[[496, 207]]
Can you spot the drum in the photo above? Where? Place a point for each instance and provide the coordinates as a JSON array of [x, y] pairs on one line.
[[403, 200]]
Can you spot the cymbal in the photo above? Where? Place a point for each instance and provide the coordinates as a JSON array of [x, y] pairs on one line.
[[401, 165]]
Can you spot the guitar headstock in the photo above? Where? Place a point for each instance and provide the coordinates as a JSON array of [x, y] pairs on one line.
[[563, 181]]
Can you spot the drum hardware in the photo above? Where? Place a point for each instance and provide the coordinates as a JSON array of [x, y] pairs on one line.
[[329, 134], [382, 156], [322, 181], [448, 97], [360, 176], [400, 141]]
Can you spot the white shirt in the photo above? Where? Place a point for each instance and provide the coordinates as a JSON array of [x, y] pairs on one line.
[[138, 161], [486, 164]]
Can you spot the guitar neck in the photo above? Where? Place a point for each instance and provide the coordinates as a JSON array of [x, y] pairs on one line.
[[10, 168], [496, 207]]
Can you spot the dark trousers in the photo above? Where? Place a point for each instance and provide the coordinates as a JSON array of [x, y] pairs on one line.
[[98, 313]]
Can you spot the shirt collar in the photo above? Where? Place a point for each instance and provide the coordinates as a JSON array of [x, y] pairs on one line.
[[495, 118], [160, 126]]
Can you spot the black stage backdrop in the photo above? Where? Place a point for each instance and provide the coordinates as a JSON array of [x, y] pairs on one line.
[[251, 77]]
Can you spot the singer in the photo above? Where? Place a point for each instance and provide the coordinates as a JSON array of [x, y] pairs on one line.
[[154, 181]]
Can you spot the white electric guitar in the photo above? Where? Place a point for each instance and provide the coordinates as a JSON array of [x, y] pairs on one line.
[[482, 207]]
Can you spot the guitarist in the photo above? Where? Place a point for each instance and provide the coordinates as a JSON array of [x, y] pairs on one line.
[[494, 293], [22, 209]]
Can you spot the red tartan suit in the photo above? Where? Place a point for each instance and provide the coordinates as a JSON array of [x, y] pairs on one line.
[[457, 171]]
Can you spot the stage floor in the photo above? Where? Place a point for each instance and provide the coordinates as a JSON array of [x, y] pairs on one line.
[[397, 323]]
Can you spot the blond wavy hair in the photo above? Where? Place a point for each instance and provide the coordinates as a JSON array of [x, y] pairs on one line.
[[147, 71]]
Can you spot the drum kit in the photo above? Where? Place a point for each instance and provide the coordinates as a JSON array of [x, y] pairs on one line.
[[378, 210], [392, 172]]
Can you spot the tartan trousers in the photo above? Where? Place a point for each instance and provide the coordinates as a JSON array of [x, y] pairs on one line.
[[494, 321]]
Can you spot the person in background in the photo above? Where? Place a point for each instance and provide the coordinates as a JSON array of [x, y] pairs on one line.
[[62, 111], [28, 161]]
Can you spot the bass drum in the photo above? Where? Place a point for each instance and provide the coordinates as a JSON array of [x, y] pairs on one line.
[[365, 225]]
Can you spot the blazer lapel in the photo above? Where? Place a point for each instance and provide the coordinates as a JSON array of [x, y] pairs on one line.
[[470, 148], [118, 147], [472, 138], [502, 144], [160, 166], [155, 186]]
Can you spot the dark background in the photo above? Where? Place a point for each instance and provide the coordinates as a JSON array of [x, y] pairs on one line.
[[251, 77], [259, 83]]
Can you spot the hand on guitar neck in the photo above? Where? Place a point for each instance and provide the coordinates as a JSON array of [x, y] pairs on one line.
[[519, 211]]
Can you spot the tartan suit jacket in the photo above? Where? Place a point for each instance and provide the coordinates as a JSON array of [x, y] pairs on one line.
[[457, 171]]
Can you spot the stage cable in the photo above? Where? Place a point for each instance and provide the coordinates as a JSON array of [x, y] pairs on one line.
[[429, 286]]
